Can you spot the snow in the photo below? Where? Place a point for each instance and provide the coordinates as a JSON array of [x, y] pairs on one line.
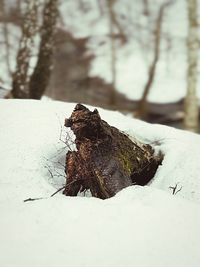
[[140, 226]]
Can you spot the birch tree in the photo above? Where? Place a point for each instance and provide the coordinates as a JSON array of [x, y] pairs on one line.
[[191, 119]]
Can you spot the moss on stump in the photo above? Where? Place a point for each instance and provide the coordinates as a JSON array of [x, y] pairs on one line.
[[106, 160]]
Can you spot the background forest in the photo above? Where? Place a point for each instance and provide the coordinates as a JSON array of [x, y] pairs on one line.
[[138, 57]]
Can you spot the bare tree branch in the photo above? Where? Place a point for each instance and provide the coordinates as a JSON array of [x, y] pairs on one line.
[[156, 55]]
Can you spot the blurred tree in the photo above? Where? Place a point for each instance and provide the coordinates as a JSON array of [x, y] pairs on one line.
[[25, 86], [146, 7], [156, 55], [113, 26], [5, 33], [42, 71], [112, 20], [20, 76], [191, 119]]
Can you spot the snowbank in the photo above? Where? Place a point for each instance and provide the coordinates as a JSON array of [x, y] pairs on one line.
[[140, 226]]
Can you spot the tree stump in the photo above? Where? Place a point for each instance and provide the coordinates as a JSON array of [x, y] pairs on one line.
[[106, 160]]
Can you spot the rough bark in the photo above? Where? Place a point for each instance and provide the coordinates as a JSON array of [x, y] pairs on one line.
[[20, 76], [191, 120], [106, 160], [41, 74]]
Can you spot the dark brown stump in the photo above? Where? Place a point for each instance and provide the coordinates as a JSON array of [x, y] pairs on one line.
[[106, 160]]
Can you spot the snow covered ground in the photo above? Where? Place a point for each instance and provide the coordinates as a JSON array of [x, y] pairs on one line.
[[140, 226]]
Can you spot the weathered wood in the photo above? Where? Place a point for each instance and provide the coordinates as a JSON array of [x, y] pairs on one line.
[[106, 160]]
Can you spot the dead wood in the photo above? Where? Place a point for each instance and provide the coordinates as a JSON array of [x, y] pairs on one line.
[[106, 160]]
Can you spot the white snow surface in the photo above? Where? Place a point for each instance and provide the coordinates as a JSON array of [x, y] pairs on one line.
[[140, 226]]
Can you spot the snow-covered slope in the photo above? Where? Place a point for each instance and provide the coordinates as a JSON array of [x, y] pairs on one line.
[[140, 226]]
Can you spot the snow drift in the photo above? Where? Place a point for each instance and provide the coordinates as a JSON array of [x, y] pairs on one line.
[[140, 226]]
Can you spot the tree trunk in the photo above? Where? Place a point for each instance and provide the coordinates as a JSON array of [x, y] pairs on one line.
[[106, 160], [191, 120], [111, 14], [156, 55], [20, 86], [41, 74]]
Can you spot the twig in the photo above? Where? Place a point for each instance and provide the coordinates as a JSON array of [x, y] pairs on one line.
[[39, 198], [57, 191], [178, 190], [174, 188], [33, 199], [48, 168], [65, 186]]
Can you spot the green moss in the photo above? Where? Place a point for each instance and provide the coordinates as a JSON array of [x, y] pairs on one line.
[[124, 159], [128, 155], [101, 184]]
